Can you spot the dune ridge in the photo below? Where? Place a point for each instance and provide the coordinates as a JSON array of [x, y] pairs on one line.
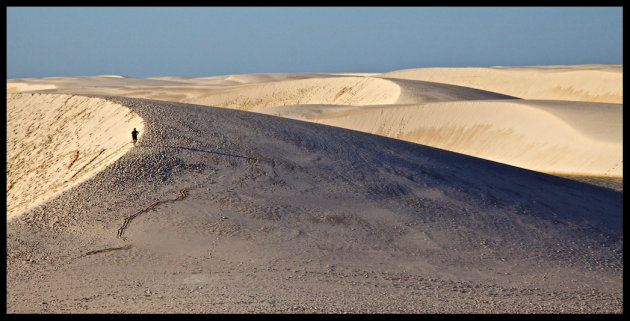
[[55, 142]]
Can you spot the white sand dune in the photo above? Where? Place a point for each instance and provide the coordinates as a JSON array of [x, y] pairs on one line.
[[561, 137], [596, 83], [219, 210], [55, 142], [335, 90]]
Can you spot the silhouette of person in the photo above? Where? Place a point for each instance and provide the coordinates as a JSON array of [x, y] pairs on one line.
[[134, 136]]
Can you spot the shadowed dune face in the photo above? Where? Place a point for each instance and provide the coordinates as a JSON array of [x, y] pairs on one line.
[[55, 142], [416, 91]]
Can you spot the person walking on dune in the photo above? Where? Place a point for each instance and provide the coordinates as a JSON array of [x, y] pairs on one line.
[[134, 136]]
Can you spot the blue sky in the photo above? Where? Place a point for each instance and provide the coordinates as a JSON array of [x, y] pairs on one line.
[[208, 41]]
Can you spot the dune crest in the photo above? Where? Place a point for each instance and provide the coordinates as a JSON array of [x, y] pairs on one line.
[[55, 142], [335, 90]]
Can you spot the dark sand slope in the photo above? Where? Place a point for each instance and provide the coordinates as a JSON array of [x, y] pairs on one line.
[[219, 210]]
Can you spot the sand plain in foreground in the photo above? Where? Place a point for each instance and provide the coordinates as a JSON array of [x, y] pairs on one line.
[[226, 210]]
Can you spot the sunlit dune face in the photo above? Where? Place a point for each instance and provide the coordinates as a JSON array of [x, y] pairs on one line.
[[57, 141]]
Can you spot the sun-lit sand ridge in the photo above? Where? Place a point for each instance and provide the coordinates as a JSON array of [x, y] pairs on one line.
[[55, 142]]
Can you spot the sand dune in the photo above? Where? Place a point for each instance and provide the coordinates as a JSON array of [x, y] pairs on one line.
[[561, 137], [351, 91], [596, 83], [55, 142], [220, 210], [336, 90]]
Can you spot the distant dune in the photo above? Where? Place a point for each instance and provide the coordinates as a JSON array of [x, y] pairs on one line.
[[16, 87], [335, 90]]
